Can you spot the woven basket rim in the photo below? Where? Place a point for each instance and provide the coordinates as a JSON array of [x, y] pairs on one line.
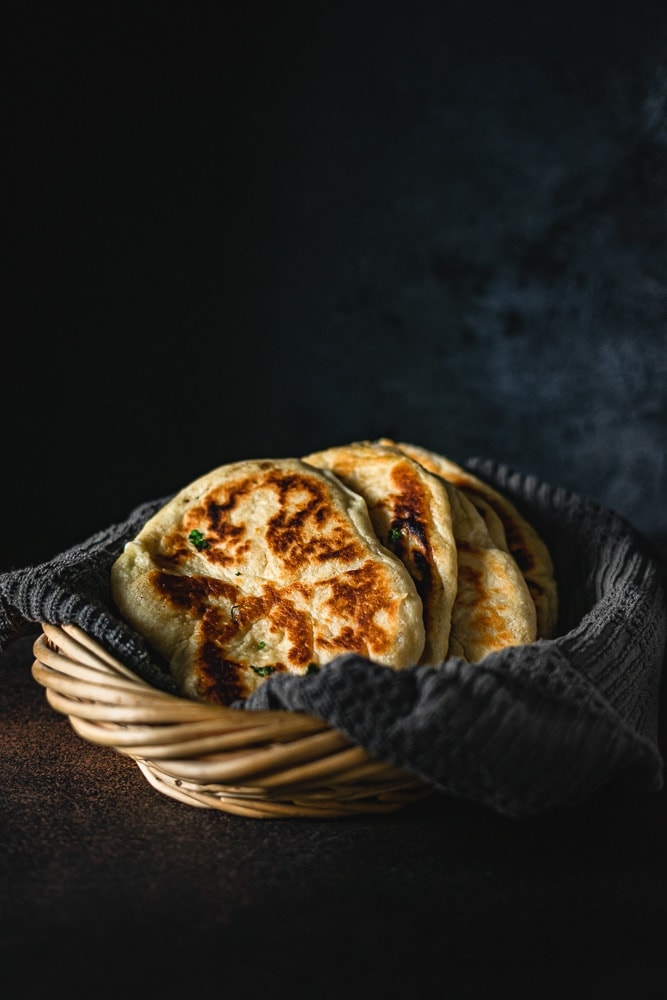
[[260, 764]]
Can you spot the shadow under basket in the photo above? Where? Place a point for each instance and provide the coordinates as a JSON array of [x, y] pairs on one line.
[[267, 764]]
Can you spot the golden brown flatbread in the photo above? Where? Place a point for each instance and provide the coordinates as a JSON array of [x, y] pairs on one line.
[[262, 566], [409, 510], [526, 546], [493, 606]]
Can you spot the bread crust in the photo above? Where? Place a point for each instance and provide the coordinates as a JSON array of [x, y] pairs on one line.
[[527, 548], [265, 566], [410, 512]]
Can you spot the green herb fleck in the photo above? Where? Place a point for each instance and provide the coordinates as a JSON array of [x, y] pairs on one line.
[[261, 644], [235, 612], [394, 534], [263, 671], [238, 572], [198, 540], [312, 668]]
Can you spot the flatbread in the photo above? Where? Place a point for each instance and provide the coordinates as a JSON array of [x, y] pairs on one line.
[[493, 606], [265, 566], [409, 510], [524, 543]]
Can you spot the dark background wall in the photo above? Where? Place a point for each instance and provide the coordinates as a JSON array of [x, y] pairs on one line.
[[261, 231]]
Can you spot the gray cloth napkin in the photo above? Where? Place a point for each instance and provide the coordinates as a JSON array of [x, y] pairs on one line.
[[526, 730]]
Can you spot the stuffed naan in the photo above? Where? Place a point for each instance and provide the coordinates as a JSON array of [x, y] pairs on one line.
[[409, 510], [265, 566]]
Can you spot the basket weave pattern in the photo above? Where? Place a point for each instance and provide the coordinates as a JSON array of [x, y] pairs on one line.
[[266, 764]]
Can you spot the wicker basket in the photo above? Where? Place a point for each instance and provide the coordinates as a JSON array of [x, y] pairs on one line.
[[258, 764]]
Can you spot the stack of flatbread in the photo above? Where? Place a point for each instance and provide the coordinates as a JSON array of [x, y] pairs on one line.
[[379, 548]]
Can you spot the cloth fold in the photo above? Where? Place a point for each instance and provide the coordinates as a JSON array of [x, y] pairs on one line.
[[526, 730]]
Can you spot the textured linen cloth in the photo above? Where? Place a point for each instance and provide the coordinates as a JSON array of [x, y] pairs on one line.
[[526, 730]]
